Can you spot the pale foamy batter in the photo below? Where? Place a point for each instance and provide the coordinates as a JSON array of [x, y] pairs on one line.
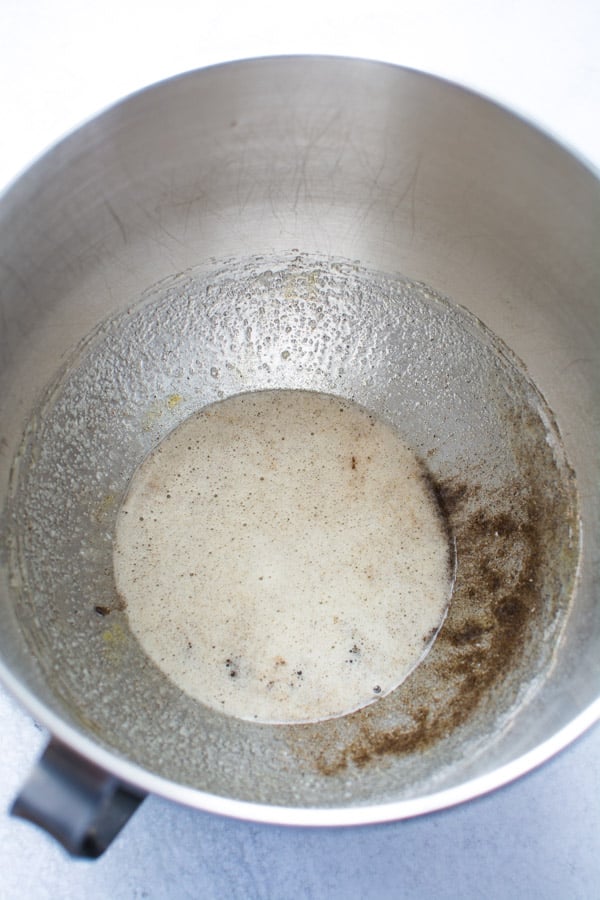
[[282, 557]]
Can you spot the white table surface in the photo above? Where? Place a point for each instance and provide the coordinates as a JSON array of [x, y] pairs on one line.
[[61, 62]]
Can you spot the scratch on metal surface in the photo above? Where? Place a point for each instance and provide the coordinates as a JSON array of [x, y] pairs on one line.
[[15, 275], [311, 144], [116, 219], [585, 360], [193, 196], [380, 190]]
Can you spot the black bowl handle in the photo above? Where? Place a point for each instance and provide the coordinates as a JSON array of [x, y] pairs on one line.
[[77, 802]]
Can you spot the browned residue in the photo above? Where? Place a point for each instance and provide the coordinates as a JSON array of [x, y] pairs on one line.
[[512, 546], [372, 744]]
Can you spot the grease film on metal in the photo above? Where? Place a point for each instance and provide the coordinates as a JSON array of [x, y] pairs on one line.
[[454, 395]]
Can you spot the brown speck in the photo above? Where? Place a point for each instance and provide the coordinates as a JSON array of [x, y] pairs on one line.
[[232, 666], [102, 610], [353, 462]]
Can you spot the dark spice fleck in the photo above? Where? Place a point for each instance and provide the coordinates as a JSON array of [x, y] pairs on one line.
[[102, 610]]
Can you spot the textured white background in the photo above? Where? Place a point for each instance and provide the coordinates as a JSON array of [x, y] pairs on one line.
[[61, 62]]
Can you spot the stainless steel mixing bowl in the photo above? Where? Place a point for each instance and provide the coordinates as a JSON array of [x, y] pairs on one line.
[[322, 224]]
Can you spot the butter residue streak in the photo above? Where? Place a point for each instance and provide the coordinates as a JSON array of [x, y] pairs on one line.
[[282, 557]]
